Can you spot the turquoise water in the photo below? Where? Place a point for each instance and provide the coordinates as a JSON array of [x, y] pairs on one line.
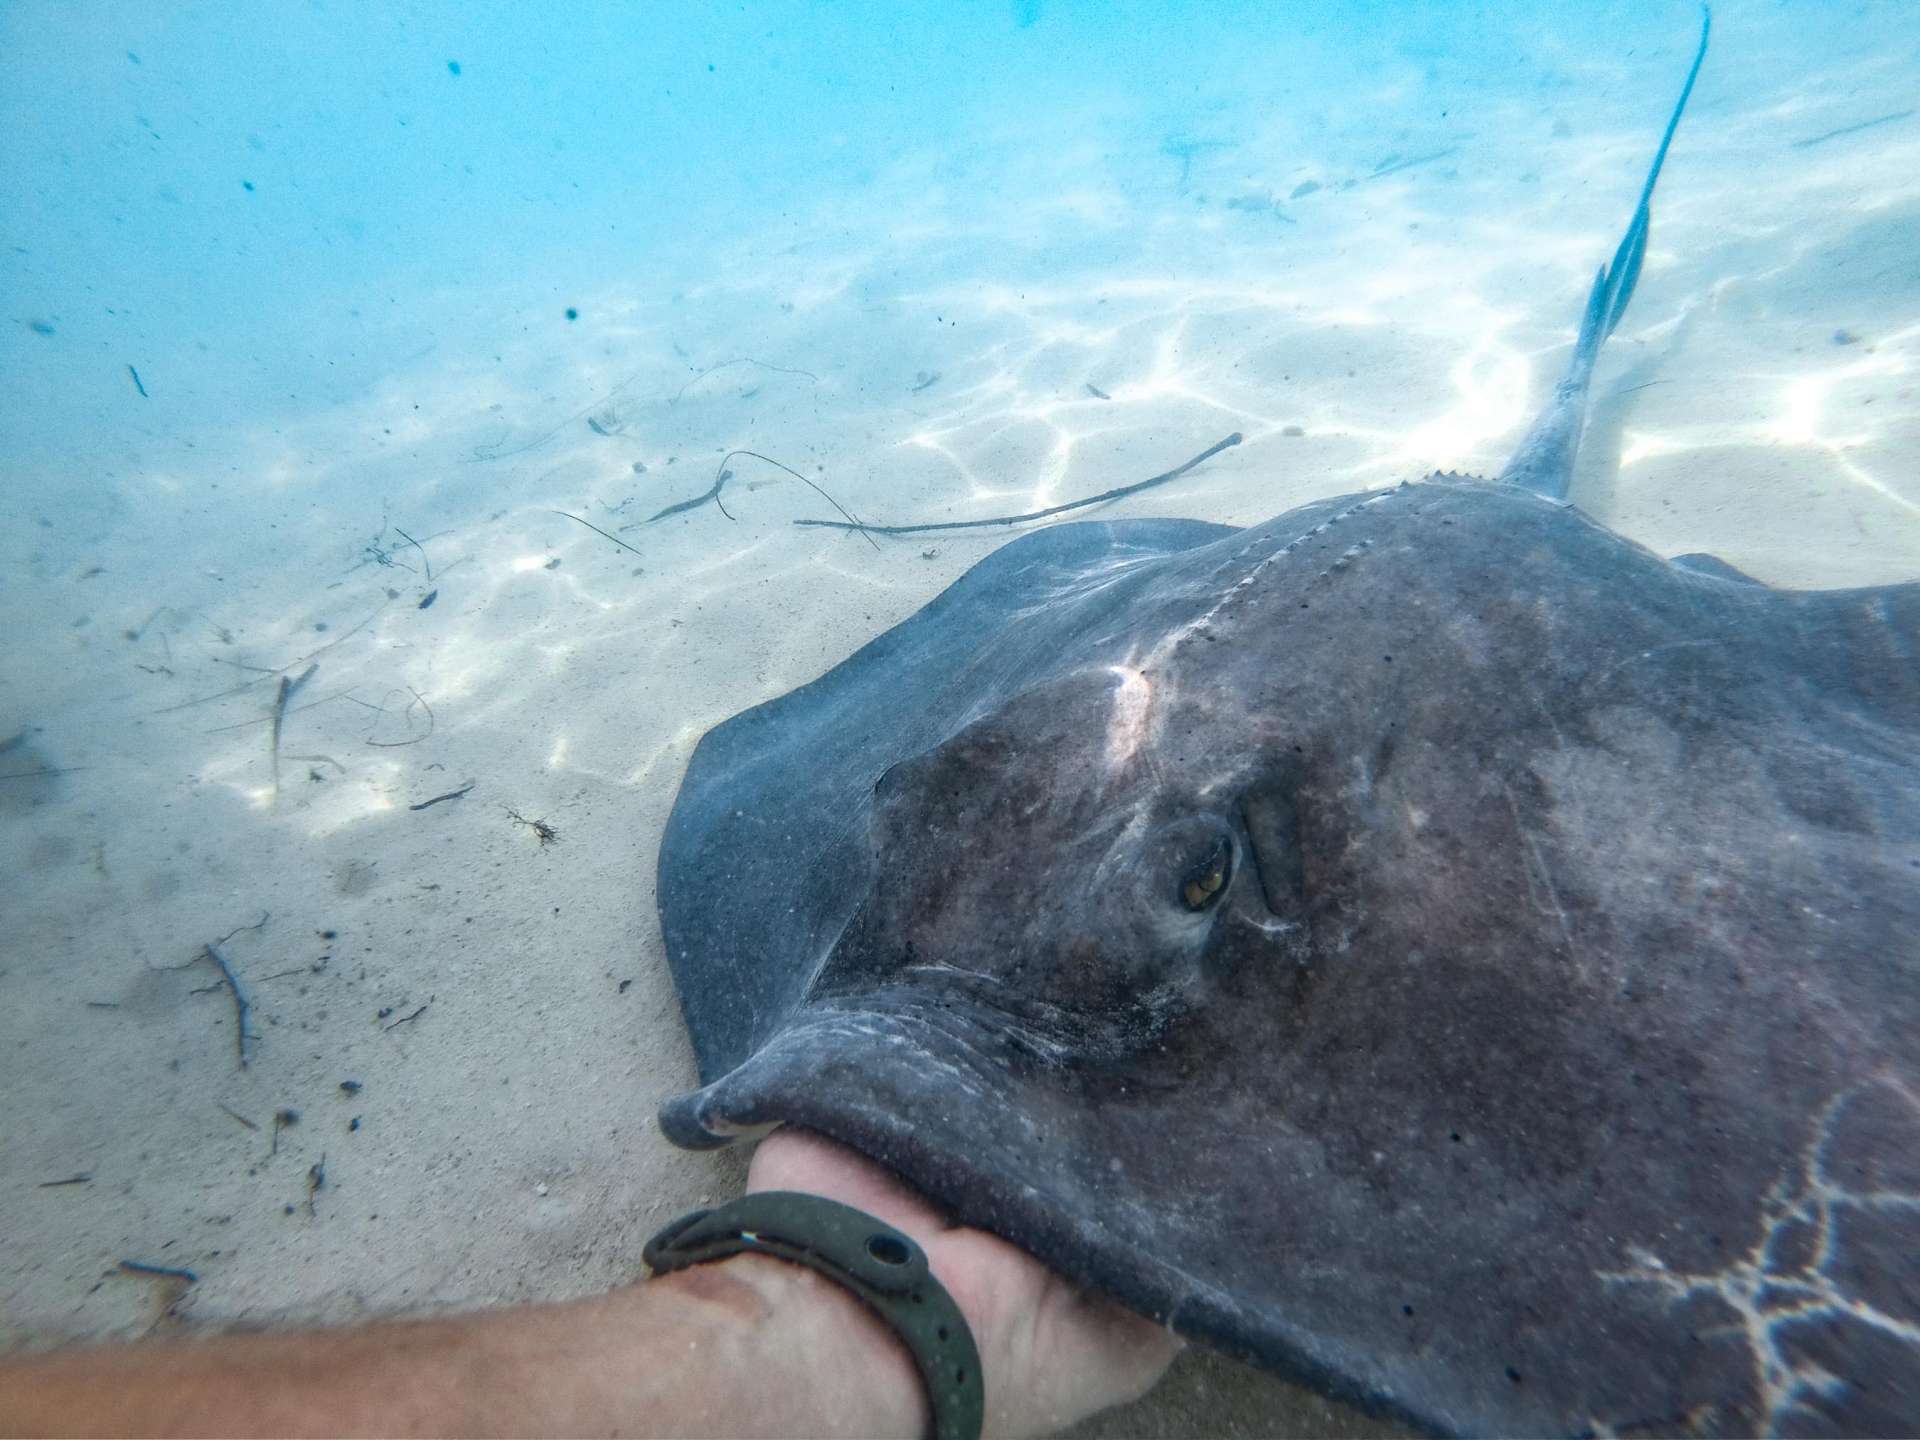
[[269, 203], [266, 212]]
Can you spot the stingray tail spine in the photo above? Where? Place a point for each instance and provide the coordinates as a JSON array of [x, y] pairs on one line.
[[1544, 460]]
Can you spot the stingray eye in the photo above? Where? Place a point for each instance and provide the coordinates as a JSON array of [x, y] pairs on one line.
[[1206, 880]]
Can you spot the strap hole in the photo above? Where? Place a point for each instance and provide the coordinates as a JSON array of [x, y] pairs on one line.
[[943, 1332], [887, 1250]]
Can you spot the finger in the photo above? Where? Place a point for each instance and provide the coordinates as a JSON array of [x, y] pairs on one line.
[[796, 1159]]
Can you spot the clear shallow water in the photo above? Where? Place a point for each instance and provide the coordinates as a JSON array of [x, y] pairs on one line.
[[285, 283], [280, 218]]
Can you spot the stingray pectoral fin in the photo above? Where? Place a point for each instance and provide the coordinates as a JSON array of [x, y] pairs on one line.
[[847, 1071], [1544, 460], [1703, 564], [681, 1123]]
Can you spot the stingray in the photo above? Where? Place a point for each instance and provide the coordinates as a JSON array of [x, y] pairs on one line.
[[1426, 945]]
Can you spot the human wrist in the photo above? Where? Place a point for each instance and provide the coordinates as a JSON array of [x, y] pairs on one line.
[[796, 1352]]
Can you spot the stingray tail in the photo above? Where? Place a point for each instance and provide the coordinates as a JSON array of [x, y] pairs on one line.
[[1544, 461]]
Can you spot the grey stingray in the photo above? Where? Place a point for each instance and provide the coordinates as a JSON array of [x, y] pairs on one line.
[[1425, 944]]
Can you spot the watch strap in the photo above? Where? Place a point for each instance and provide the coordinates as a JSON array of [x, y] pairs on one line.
[[885, 1268]]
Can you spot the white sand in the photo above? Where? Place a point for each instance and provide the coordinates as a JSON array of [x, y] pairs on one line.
[[506, 1148]]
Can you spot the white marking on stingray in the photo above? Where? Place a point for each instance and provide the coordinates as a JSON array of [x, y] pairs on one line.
[[1273, 928], [1637, 656], [1127, 722], [1541, 891], [1769, 1294]]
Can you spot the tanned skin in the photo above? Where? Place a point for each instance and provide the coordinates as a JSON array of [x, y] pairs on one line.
[[750, 1346]]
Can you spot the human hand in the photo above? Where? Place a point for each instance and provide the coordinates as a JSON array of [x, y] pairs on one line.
[[1050, 1353]]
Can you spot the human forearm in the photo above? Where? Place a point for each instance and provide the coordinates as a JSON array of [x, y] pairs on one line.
[[751, 1346]]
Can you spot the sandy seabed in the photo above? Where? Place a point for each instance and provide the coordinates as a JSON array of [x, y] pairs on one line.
[[474, 1024]]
